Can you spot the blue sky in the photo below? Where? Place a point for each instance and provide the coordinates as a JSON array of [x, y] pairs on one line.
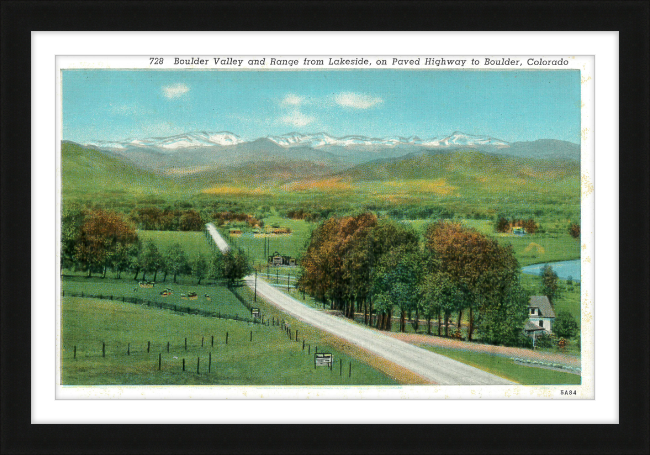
[[508, 105]]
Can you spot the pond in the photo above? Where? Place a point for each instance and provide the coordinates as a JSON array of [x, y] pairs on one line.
[[564, 269]]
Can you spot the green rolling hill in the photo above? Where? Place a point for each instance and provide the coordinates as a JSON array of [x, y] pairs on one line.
[[88, 172]]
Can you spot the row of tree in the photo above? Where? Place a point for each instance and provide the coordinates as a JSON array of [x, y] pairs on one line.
[[360, 263], [97, 241], [502, 224], [154, 218]]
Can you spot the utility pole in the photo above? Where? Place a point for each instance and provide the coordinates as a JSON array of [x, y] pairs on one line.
[[255, 297]]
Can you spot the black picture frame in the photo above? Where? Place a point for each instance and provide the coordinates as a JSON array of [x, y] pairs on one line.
[[629, 18]]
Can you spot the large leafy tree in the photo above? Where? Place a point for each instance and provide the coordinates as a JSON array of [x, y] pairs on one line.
[[199, 268], [176, 261], [480, 269], [99, 236], [550, 286], [123, 257], [331, 266], [396, 279], [441, 297], [501, 322], [72, 218], [150, 260], [235, 266]]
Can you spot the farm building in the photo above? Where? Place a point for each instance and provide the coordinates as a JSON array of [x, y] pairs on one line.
[[540, 313], [518, 230], [276, 259]]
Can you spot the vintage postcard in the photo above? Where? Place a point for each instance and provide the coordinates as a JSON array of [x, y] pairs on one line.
[[325, 227]]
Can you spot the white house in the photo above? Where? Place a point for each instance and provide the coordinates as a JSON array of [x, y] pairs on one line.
[[540, 313]]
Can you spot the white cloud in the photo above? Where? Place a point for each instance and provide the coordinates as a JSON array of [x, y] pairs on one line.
[[357, 100], [297, 118], [293, 100], [175, 90]]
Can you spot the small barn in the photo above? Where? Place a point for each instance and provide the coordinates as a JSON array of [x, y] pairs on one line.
[[277, 259], [518, 230]]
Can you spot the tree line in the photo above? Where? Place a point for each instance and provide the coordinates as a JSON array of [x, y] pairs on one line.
[[95, 241], [379, 266]]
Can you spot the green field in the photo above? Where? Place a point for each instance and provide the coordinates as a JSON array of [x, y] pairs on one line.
[[193, 243], [508, 368], [221, 299], [270, 359], [293, 244], [529, 249]]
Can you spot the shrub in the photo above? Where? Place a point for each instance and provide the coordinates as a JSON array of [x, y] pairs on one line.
[[574, 230], [565, 326], [545, 341]]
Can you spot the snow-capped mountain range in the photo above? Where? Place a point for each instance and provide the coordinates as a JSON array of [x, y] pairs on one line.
[[316, 140], [180, 141]]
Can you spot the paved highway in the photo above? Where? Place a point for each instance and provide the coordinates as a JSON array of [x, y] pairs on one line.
[[434, 367]]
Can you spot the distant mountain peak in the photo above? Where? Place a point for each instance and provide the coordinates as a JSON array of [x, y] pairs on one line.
[[178, 141]]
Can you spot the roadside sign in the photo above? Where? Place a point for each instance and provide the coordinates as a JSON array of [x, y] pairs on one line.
[[255, 312], [323, 359]]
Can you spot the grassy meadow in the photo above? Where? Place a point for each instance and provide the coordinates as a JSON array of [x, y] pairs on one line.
[[269, 359], [194, 243], [508, 368], [220, 298]]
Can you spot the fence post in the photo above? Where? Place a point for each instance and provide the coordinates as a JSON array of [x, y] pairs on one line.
[[183, 364], [226, 337], [296, 334], [340, 367], [316, 351], [201, 341], [186, 343], [198, 360], [103, 349], [251, 336], [303, 344], [168, 346], [148, 346], [309, 349], [212, 341], [128, 349], [209, 361], [350, 374], [75, 352], [159, 361]]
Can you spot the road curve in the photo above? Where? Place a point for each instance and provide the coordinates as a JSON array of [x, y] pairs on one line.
[[434, 367]]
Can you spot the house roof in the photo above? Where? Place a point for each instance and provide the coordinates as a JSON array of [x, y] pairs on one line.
[[530, 327], [544, 305]]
